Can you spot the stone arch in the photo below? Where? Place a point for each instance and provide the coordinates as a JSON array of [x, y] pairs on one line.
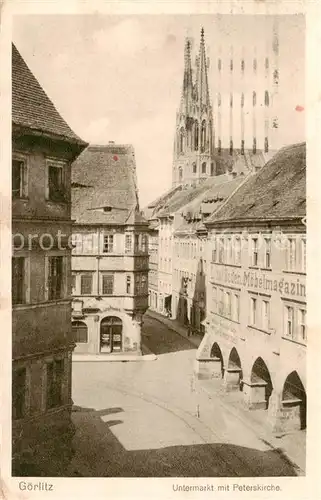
[[216, 353], [204, 167], [111, 334], [294, 397], [79, 332], [234, 369], [261, 378]]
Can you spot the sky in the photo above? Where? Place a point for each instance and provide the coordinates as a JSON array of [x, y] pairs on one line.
[[119, 78]]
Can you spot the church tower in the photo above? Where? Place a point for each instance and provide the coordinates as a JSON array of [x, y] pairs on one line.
[[194, 137]]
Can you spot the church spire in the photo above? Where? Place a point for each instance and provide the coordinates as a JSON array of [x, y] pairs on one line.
[[202, 80], [188, 80]]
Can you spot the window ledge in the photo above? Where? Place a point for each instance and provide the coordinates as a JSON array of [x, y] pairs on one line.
[[301, 273], [266, 269], [252, 327], [225, 317], [294, 341], [226, 264], [257, 268]]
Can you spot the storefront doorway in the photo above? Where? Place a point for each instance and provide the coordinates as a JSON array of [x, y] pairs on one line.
[[111, 334]]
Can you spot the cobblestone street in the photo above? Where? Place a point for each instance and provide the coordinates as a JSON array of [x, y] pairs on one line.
[[147, 419]]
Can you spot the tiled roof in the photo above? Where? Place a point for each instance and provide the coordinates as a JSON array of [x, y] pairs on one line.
[[32, 108], [207, 202], [108, 194], [277, 191]]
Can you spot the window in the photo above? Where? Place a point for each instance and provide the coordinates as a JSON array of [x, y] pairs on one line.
[[196, 134], [86, 283], [229, 251], [303, 255], [194, 168], [19, 179], [221, 302], [237, 251], [108, 284], [19, 393], [221, 251], [203, 136], [136, 242], [181, 141], [253, 317], [236, 307], [266, 98], [302, 324], [228, 305], [180, 174], [265, 315], [80, 332], [267, 244], [55, 278], [108, 243], [289, 321], [128, 284], [144, 242], [144, 283], [214, 251], [291, 257], [128, 243], [214, 299], [18, 280], [56, 185], [73, 283], [55, 374], [204, 167], [254, 252]]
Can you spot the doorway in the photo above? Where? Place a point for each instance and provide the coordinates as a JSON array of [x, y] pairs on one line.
[[111, 333]]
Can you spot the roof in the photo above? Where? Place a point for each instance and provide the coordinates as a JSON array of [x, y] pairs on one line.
[[32, 108], [104, 189], [238, 162], [201, 207], [277, 191]]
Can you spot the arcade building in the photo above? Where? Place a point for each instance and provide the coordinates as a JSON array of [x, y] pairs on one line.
[[256, 330]]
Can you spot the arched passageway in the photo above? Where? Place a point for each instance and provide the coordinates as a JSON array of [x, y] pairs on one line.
[[260, 377], [216, 354], [294, 396], [234, 369], [111, 333]]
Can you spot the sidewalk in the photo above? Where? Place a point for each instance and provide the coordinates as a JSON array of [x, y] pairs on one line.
[[291, 445], [293, 449], [147, 355], [175, 326]]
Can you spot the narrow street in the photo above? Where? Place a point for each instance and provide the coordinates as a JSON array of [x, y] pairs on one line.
[[149, 419]]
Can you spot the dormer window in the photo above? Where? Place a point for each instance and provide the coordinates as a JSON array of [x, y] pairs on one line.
[[107, 209]]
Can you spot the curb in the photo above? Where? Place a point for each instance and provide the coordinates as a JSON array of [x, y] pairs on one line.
[[258, 432]]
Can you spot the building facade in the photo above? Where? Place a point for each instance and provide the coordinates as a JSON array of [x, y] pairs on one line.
[[110, 254], [153, 265], [43, 148], [256, 331]]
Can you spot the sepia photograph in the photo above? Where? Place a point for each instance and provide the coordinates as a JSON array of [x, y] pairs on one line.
[[159, 234]]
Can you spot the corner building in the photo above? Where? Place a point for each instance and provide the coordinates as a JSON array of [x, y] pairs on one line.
[[43, 148], [255, 331], [110, 254]]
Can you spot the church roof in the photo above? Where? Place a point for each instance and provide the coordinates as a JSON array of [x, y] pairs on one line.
[[104, 188], [277, 191], [31, 107], [207, 202]]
